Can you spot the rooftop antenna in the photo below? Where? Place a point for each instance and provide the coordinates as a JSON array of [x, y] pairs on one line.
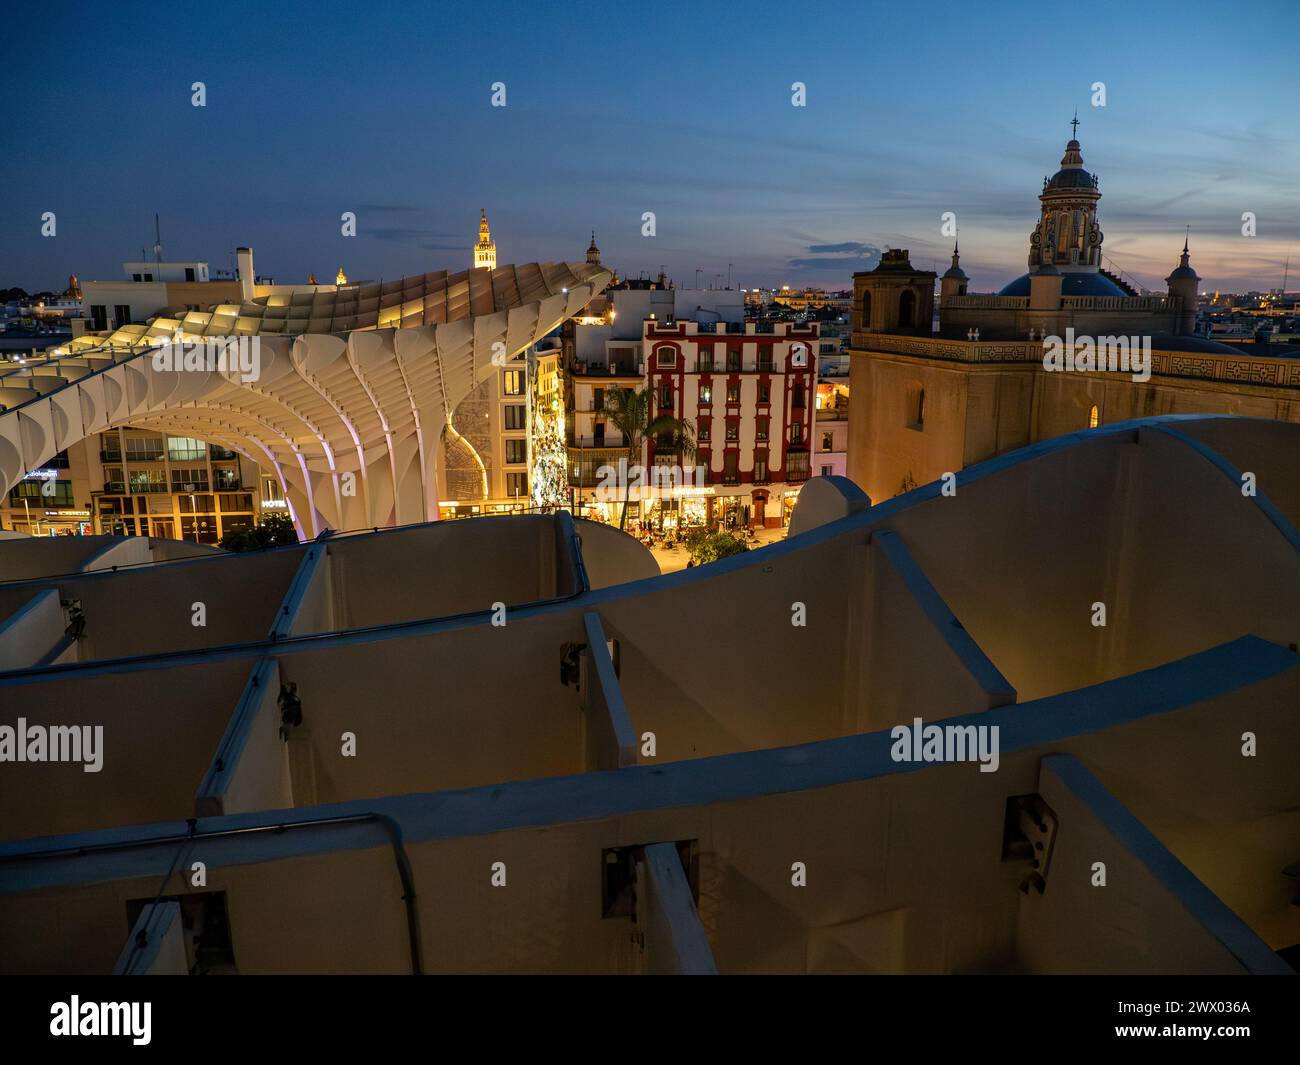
[[157, 240]]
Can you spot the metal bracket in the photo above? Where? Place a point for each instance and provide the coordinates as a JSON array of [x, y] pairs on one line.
[[571, 664], [1028, 836], [290, 708]]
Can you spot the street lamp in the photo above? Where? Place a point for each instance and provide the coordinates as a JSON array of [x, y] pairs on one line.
[[194, 513]]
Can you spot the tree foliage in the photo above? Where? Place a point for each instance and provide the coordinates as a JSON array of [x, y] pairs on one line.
[[631, 412], [709, 545], [274, 530]]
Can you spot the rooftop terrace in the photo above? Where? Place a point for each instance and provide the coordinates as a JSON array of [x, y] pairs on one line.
[[507, 745]]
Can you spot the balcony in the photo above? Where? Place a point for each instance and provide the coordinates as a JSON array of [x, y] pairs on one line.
[[581, 369], [796, 466], [602, 444]]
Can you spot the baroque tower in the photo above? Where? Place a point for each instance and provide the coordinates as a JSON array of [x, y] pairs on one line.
[[1067, 235]]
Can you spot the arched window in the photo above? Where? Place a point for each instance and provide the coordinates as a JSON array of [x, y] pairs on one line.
[[1064, 234], [1094, 417], [866, 311], [907, 309]]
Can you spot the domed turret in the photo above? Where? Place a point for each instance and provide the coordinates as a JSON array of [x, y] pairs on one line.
[[1184, 283], [1072, 175], [954, 280]]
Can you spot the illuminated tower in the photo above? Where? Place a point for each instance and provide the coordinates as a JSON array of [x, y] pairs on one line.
[[593, 252], [485, 251], [1067, 235], [342, 278]]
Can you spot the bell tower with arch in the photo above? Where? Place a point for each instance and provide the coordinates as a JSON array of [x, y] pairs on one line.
[[894, 297]]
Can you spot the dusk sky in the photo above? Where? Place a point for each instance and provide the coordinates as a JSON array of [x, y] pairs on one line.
[[614, 110]]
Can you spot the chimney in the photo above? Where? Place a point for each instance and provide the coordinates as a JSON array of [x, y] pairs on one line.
[[244, 266]]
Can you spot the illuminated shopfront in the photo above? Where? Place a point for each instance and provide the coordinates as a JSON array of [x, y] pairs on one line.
[[732, 512], [56, 523], [788, 500]]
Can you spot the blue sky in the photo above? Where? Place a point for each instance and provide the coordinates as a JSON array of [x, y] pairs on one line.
[[681, 109]]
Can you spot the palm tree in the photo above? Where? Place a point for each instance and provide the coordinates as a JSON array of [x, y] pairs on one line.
[[631, 413]]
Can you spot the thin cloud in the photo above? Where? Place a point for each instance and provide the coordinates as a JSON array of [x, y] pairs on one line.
[[845, 257]]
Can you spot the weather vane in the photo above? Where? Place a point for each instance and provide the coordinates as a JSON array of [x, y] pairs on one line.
[[1075, 124]]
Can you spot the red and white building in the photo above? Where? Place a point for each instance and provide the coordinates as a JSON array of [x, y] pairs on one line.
[[749, 391]]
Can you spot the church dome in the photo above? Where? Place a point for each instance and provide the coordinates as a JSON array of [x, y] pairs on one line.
[[1072, 175], [1071, 179], [1073, 283]]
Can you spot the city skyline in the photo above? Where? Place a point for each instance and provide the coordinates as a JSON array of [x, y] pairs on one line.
[[606, 109]]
